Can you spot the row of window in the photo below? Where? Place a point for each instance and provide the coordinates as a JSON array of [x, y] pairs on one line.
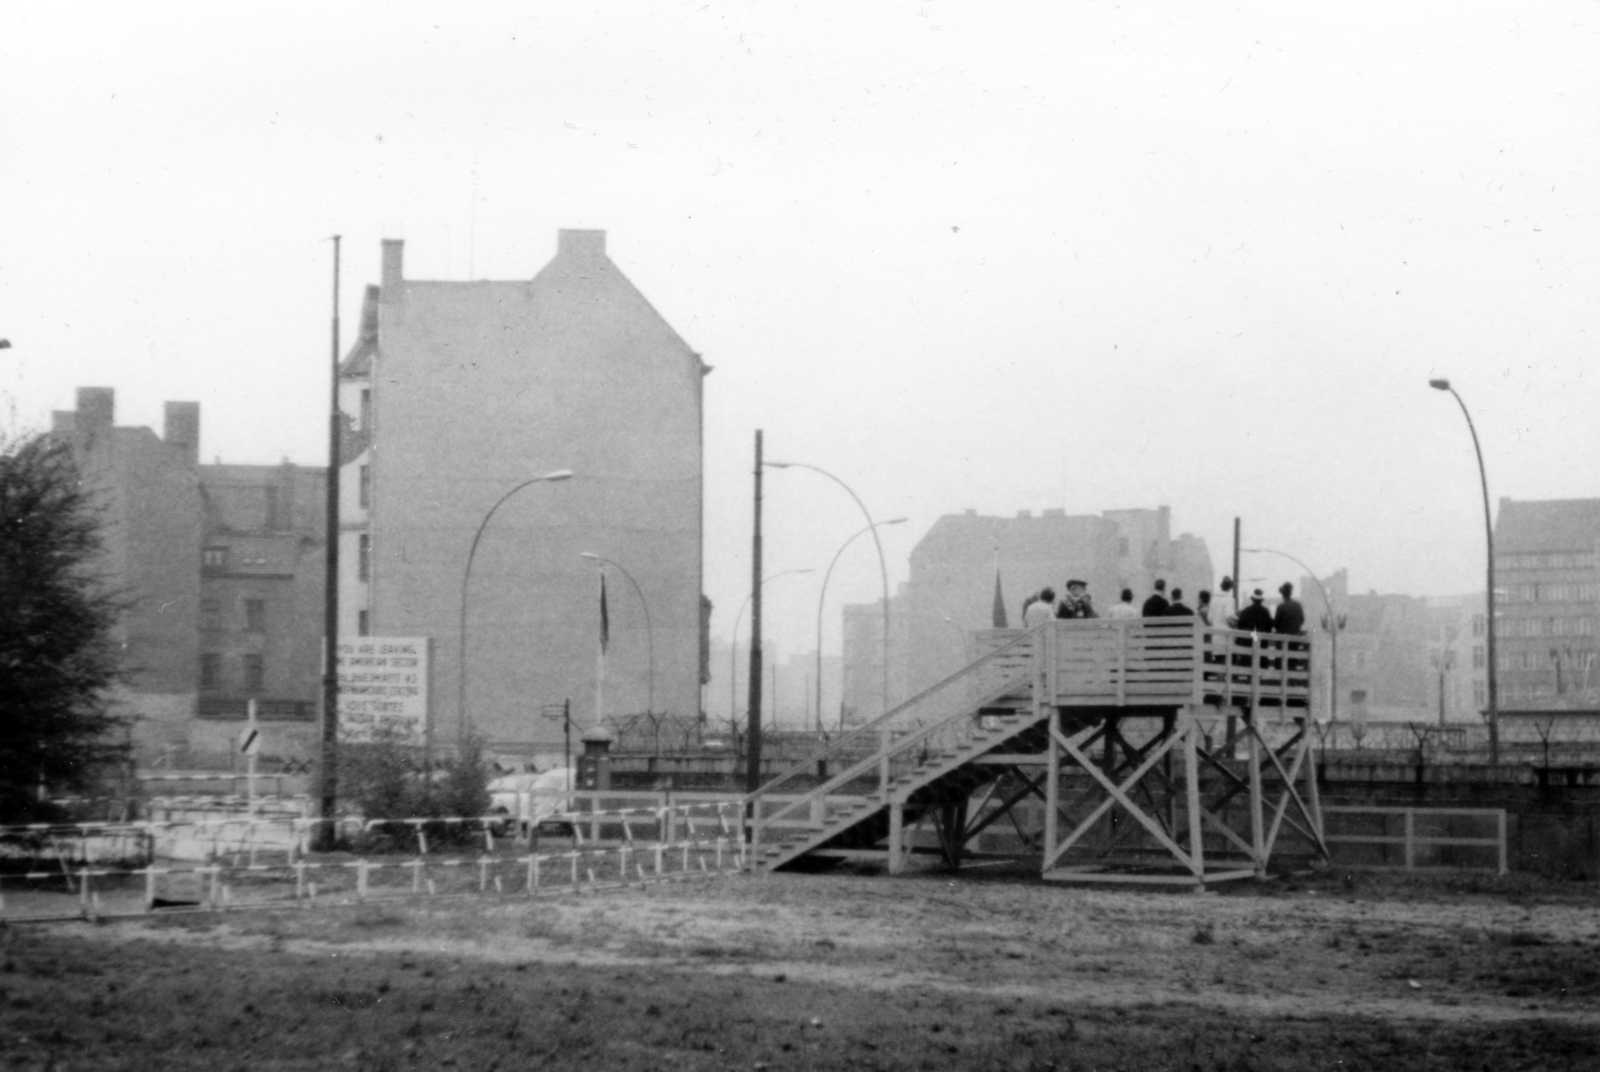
[[1545, 660], [255, 615], [1560, 592], [1546, 560], [1538, 627], [213, 672]]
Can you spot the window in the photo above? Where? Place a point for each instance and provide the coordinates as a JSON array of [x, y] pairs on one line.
[[1479, 661], [255, 615], [362, 623], [1358, 696], [254, 673], [214, 557], [364, 487], [364, 557], [211, 614], [210, 671], [1478, 621], [366, 408], [1480, 694]]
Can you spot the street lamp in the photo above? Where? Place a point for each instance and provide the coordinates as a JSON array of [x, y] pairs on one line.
[[733, 644], [1331, 622], [1488, 531], [650, 636], [464, 723], [883, 569], [824, 595]]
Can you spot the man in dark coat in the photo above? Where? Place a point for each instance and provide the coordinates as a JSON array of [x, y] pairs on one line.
[[1156, 605], [1291, 617], [1177, 608], [1255, 618]]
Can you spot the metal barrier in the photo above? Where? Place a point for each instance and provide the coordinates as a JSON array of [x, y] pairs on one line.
[[240, 867], [1411, 839]]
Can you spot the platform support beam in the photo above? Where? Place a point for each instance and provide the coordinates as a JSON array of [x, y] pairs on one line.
[[897, 836], [1258, 848]]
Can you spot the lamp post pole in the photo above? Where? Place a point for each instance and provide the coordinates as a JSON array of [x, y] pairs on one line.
[[1332, 624], [327, 833], [463, 721], [650, 636], [824, 595], [883, 569], [1488, 532]]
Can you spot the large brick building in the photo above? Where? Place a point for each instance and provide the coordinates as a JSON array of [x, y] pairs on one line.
[[461, 391], [220, 570]]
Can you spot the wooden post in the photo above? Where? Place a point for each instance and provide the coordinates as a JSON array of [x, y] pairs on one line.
[[1411, 831], [883, 761], [1052, 812], [1257, 825], [1191, 778], [897, 832], [1501, 825]]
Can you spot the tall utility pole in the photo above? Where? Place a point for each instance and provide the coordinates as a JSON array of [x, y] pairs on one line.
[[752, 775], [326, 833]]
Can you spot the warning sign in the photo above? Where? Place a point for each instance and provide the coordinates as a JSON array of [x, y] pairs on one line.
[[383, 689]]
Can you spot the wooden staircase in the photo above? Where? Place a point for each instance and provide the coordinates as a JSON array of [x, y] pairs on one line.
[[1037, 701]]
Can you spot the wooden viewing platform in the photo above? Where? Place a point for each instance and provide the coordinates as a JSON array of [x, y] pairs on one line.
[[1112, 725]]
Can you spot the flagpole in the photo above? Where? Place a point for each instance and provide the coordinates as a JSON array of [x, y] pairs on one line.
[[600, 667]]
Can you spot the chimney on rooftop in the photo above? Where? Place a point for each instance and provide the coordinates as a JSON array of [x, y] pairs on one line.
[[182, 429], [97, 409], [584, 246], [394, 257]]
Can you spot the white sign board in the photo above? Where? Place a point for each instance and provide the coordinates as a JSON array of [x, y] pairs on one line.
[[383, 685]]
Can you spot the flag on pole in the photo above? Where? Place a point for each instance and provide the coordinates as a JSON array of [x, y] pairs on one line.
[[605, 617], [999, 601]]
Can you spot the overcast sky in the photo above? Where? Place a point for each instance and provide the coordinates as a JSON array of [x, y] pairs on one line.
[[1005, 257]]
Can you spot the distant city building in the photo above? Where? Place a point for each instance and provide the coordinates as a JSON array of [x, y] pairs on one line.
[[1458, 657], [458, 393], [221, 569], [950, 595], [1547, 572], [862, 671], [1384, 667]]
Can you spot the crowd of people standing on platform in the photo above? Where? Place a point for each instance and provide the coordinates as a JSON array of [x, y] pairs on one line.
[[1220, 609]]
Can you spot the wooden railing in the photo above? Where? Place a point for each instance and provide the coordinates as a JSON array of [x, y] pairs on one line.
[[1157, 662]]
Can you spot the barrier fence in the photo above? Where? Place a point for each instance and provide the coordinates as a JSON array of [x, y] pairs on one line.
[[1417, 838], [105, 870]]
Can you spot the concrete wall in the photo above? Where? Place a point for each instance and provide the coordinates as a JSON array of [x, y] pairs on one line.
[[481, 386]]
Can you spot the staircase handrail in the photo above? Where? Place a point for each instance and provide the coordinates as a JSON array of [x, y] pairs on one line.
[[873, 730], [885, 754]]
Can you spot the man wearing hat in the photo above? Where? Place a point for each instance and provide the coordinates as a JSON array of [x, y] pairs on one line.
[[1076, 603], [1291, 617], [1255, 618]]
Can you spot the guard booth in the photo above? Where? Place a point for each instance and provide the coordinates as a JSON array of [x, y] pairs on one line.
[[1102, 744]]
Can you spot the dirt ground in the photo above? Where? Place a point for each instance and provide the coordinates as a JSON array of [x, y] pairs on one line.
[[838, 971]]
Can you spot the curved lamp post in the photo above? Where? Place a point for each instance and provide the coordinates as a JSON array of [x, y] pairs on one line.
[[883, 569], [650, 636], [1332, 623], [824, 595], [733, 644], [463, 721], [1488, 531]]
